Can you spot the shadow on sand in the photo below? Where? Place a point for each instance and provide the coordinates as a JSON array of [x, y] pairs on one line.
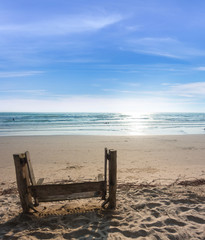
[[59, 223]]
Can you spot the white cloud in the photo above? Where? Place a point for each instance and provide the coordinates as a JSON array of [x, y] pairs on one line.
[[133, 28], [200, 68], [128, 87], [78, 60], [165, 46], [19, 74], [33, 92], [189, 89], [149, 40], [155, 46], [62, 25], [144, 68], [194, 90], [166, 84], [159, 53], [118, 90], [131, 84]]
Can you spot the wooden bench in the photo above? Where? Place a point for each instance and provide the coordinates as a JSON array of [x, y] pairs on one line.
[[32, 192]]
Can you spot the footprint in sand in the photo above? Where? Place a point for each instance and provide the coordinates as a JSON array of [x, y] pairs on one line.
[[87, 234], [196, 219], [43, 235], [171, 221]]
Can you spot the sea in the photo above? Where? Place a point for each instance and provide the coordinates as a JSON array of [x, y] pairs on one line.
[[114, 124]]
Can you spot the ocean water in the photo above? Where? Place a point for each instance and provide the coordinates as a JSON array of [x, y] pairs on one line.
[[29, 124]]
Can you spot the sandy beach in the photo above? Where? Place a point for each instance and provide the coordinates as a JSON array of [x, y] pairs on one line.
[[150, 202]]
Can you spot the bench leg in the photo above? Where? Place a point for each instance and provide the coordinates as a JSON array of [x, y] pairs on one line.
[[22, 177], [112, 178]]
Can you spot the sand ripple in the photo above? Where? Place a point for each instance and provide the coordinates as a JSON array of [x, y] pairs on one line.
[[176, 212]]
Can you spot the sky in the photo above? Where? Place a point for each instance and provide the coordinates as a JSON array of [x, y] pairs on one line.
[[102, 56]]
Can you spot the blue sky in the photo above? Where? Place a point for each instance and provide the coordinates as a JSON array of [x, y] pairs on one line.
[[104, 56]]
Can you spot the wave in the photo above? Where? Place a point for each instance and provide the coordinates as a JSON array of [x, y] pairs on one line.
[[12, 124]]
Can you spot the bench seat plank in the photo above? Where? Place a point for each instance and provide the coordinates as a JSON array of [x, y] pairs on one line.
[[70, 196], [47, 192]]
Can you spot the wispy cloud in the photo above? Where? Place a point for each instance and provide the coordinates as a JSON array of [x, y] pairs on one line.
[[19, 74], [155, 46], [33, 92], [193, 90], [152, 40], [62, 25], [160, 53], [144, 68], [133, 28], [78, 60], [200, 68], [131, 84], [186, 90], [165, 46], [119, 90], [189, 89]]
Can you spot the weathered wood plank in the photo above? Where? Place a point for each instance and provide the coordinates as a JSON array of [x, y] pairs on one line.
[[48, 190], [31, 173], [22, 178], [112, 178], [105, 173], [70, 196], [30, 168]]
